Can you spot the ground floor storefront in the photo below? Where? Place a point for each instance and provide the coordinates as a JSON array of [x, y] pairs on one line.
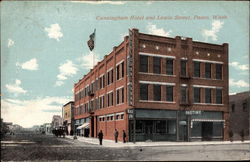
[[169, 125], [157, 125], [82, 127]]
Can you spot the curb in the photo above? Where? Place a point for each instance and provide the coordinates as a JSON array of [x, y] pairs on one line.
[[110, 143]]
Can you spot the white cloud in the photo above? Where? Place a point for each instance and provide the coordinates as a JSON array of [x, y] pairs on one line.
[[32, 112], [54, 31], [237, 65], [86, 61], [29, 65], [59, 83], [216, 26], [101, 2], [152, 29], [15, 88], [149, 2], [66, 70], [10, 42], [239, 83]]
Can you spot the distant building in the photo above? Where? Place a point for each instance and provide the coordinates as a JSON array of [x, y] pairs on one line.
[[157, 88], [240, 114], [57, 121], [47, 128], [68, 117]]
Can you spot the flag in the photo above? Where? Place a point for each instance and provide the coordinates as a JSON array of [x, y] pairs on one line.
[[91, 41]]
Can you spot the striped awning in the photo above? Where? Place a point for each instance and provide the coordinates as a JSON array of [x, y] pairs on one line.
[[85, 125], [207, 120]]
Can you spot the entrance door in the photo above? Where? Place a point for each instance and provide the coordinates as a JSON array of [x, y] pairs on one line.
[[92, 126], [207, 131], [149, 130]]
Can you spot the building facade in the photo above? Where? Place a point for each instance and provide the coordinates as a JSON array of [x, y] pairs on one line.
[[57, 122], [68, 117], [157, 88], [240, 114]]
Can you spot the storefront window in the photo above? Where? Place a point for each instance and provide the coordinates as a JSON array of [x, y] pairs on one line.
[[161, 126], [196, 130], [139, 127], [217, 129], [171, 127]]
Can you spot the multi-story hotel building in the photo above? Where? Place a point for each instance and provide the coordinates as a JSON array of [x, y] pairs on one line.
[[157, 88]]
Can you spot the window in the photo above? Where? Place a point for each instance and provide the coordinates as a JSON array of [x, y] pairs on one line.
[[233, 107], [122, 116], [108, 78], [103, 81], [218, 71], [117, 97], [219, 96], [169, 90], [171, 127], [92, 87], [111, 75], [183, 94], [244, 106], [157, 92], [122, 95], [161, 126], [95, 85], [110, 99], [169, 66], [117, 72], [143, 91], [111, 118], [183, 68], [157, 65], [207, 70], [143, 63], [197, 95], [117, 117], [196, 69], [122, 64], [208, 98], [85, 91], [101, 102]]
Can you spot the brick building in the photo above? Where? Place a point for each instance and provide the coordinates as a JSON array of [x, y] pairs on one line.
[[240, 114], [68, 117], [157, 88]]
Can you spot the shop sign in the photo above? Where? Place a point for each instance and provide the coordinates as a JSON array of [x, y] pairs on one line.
[[130, 69], [130, 111], [192, 112]]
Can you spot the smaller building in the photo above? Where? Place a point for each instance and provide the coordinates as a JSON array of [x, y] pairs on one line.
[[240, 114], [68, 117], [57, 122]]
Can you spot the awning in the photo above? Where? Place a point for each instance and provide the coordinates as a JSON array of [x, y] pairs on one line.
[[207, 120], [85, 125]]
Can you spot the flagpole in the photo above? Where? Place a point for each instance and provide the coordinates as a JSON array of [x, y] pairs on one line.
[[94, 49]]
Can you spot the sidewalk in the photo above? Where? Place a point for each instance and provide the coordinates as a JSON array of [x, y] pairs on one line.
[[111, 143]]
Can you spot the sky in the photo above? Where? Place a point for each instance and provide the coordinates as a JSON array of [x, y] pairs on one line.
[[44, 50]]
